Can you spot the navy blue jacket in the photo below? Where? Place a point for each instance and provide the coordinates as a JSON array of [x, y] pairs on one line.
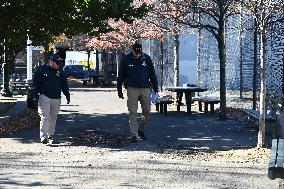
[[137, 72], [50, 82]]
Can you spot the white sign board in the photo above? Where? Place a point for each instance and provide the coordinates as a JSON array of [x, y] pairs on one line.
[[80, 57]]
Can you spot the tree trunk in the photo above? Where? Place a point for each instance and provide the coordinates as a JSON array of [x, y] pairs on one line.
[[97, 62], [5, 71], [10, 59], [105, 66], [241, 64], [88, 64], [222, 57], [199, 59], [162, 65], [282, 79], [261, 133], [176, 60], [255, 61]]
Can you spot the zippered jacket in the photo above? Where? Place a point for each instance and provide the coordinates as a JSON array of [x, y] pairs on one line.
[[137, 73], [50, 82]]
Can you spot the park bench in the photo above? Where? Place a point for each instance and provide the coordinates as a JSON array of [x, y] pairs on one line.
[[207, 101], [270, 121], [255, 115], [162, 103], [276, 160]]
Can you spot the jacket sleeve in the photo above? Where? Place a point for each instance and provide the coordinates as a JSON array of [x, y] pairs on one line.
[[121, 75], [37, 80], [64, 84], [153, 77]]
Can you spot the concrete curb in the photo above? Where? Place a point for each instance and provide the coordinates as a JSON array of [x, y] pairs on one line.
[[19, 107]]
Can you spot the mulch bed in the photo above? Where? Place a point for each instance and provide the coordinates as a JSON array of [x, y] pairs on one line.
[[100, 138], [29, 118], [238, 114]]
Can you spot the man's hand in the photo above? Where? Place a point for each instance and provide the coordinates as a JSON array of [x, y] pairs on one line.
[[120, 95], [68, 99]]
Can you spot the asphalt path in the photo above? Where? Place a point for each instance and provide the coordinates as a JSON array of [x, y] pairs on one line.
[[181, 150]]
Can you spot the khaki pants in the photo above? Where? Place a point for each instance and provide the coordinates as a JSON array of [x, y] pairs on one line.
[[48, 110], [133, 95]]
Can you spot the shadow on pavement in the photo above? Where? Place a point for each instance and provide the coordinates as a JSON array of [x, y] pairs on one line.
[[177, 130]]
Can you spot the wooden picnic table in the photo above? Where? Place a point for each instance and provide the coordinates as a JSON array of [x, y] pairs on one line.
[[187, 91]]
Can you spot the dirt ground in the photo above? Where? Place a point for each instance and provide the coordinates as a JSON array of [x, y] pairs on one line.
[[181, 151]]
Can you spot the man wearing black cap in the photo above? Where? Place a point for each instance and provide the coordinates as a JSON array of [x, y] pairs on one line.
[[48, 82], [137, 72]]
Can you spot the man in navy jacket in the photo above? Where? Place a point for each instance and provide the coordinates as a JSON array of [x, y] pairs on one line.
[[137, 72], [48, 82]]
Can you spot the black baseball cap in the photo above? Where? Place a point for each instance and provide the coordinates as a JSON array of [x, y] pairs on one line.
[[137, 48], [56, 58]]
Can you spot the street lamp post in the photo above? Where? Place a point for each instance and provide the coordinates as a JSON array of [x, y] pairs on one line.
[[29, 60]]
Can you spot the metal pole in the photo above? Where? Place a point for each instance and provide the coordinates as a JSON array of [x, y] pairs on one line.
[[117, 62], [29, 60]]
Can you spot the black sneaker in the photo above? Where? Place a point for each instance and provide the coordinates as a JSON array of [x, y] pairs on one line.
[[141, 134], [133, 139], [44, 139]]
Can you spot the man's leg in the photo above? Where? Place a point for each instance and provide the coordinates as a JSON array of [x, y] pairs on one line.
[[44, 110], [132, 104], [54, 110], [145, 101]]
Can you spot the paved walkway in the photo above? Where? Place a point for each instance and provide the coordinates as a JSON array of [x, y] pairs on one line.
[[93, 108], [136, 165]]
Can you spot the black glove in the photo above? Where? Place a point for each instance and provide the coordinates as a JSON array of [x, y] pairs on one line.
[[68, 99], [120, 95]]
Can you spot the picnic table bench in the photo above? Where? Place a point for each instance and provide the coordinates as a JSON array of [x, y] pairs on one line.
[[270, 121], [20, 87], [161, 105], [255, 115], [207, 101], [276, 160]]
